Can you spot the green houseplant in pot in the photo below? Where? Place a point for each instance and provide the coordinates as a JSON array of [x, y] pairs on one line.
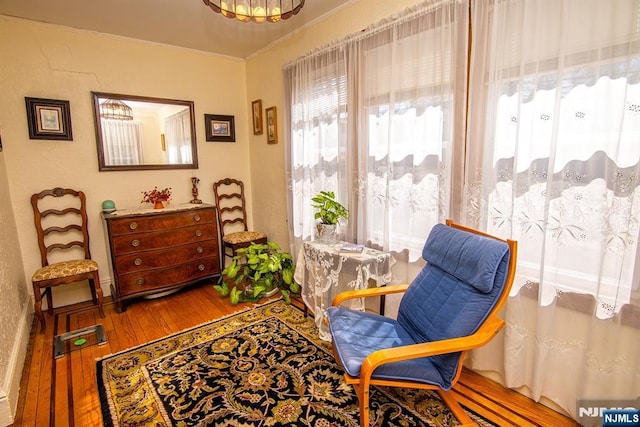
[[257, 271], [329, 212]]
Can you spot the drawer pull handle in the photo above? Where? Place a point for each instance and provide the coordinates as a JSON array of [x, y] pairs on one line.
[[197, 217], [140, 281], [201, 267], [133, 225], [199, 249], [138, 261], [198, 233], [135, 243]]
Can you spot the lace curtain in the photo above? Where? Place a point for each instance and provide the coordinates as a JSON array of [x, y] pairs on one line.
[[372, 119], [122, 142], [553, 161], [544, 150], [177, 128]]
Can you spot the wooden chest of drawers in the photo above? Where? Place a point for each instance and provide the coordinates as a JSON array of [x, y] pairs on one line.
[[158, 251]]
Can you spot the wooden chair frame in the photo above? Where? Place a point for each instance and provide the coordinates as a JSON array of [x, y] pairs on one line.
[[490, 327], [236, 213], [92, 277]]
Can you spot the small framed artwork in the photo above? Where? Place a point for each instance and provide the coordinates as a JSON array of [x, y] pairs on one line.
[[256, 108], [219, 128], [272, 125], [49, 119]]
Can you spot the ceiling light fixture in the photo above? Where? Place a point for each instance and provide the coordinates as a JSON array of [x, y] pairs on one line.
[[116, 110], [256, 10]]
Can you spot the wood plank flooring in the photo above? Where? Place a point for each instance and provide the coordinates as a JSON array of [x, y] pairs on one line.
[[63, 392]]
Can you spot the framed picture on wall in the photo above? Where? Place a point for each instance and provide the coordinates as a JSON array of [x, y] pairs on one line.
[[272, 125], [219, 128], [256, 112], [49, 119]]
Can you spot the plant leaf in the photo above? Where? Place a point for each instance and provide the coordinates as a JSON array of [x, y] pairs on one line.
[[259, 290], [285, 296], [235, 296], [223, 289]]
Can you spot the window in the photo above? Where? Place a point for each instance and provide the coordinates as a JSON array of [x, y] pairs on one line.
[[558, 124], [373, 120]]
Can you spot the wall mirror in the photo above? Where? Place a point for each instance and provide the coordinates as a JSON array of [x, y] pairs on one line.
[[140, 132]]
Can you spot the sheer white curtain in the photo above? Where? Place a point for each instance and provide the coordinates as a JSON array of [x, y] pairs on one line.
[[372, 118], [553, 161], [177, 129], [122, 142], [316, 91]]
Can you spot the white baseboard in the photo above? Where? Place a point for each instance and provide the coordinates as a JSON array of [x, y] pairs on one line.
[[11, 382]]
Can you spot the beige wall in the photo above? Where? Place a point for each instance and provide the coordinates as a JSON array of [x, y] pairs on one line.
[[14, 301], [54, 62], [264, 81]]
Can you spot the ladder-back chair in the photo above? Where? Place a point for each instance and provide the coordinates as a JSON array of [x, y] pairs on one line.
[[232, 217], [60, 218]]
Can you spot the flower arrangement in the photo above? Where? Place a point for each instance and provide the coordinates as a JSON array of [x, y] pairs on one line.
[[155, 195]]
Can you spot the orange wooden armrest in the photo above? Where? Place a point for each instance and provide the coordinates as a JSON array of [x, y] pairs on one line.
[[482, 336], [368, 292]]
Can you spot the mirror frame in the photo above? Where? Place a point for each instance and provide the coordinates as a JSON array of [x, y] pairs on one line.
[[98, 127]]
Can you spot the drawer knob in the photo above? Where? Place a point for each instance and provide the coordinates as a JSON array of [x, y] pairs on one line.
[[198, 233], [197, 217], [137, 261], [199, 249], [201, 267], [133, 225], [140, 281], [135, 243]]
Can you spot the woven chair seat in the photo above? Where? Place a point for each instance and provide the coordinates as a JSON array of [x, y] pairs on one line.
[[64, 269], [243, 237]]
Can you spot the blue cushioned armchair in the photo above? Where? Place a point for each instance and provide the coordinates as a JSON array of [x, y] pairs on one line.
[[451, 307]]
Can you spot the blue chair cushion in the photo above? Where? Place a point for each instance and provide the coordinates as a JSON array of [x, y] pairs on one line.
[[472, 258], [357, 334]]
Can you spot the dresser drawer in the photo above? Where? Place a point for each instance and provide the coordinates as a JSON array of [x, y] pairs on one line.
[[142, 282], [139, 261], [163, 239], [133, 224]]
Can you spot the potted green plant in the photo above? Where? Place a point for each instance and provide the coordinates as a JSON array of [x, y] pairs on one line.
[[329, 212], [257, 271]]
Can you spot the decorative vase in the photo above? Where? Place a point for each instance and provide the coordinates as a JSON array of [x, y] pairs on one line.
[[326, 233], [158, 205], [108, 206]]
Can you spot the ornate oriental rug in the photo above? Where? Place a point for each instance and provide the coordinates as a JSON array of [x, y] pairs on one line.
[[264, 366]]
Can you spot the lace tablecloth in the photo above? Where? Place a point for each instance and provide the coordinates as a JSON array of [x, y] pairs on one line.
[[323, 273]]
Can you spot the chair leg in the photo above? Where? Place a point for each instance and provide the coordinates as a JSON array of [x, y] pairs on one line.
[[363, 398], [96, 291], [456, 409], [49, 292], [92, 287], [37, 305]]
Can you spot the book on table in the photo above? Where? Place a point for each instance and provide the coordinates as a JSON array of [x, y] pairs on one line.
[[351, 249]]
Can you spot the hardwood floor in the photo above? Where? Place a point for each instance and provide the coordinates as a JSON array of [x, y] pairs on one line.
[[63, 392]]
